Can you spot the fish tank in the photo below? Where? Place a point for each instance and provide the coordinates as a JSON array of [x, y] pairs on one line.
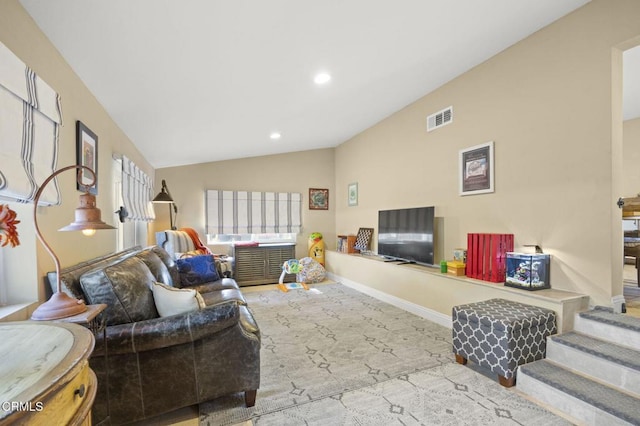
[[528, 271]]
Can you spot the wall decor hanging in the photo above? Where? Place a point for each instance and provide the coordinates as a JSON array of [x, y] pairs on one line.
[[87, 155], [352, 191], [476, 169], [318, 199]]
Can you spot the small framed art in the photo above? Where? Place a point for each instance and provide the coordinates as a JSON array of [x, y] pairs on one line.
[[87, 155], [476, 169], [352, 191], [318, 199]]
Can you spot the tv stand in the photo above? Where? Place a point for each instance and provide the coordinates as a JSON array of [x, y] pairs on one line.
[[425, 291], [407, 262]]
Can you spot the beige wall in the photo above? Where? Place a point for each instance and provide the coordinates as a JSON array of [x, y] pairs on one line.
[[20, 34], [546, 102], [292, 172], [631, 159], [551, 104]]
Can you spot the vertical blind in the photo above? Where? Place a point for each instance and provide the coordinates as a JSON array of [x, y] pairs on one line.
[[137, 192], [244, 212], [30, 118]]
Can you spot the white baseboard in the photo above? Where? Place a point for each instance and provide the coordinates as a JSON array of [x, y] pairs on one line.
[[429, 314]]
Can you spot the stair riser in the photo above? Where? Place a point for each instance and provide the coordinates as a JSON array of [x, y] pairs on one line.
[[602, 369], [611, 333], [567, 404]]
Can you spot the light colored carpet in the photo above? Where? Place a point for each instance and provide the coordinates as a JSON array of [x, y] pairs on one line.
[[334, 356]]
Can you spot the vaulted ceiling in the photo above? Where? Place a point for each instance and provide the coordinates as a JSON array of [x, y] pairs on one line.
[[193, 81]]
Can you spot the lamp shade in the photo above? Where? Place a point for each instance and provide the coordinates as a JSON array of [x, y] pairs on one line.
[[163, 196], [87, 216]]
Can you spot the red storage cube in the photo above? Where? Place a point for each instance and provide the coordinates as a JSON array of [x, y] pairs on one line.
[[486, 256]]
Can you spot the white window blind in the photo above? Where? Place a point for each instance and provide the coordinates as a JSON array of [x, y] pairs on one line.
[[244, 212], [137, 192], [30, 117]]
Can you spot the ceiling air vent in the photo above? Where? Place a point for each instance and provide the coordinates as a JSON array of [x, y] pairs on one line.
[[439, 119]]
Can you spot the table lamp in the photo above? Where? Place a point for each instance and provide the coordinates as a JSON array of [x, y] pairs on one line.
[[87, 220]]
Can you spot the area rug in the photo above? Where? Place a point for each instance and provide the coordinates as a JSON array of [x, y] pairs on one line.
[[332, 355]]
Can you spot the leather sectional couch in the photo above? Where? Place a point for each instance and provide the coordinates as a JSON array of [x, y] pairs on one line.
[[158, 364]]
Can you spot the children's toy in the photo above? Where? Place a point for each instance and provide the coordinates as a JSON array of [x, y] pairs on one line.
[[311, 271], [316, 247], [291, 266]]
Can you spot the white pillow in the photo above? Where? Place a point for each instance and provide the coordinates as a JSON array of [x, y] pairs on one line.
[[173, 301]]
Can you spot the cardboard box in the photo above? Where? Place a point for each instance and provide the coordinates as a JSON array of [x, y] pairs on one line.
[[456, 268]]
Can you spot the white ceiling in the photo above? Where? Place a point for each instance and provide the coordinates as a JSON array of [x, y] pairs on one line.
[[193, 81]]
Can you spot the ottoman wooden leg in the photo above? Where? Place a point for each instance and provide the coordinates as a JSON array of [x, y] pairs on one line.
[[507, 383], [461, 360]]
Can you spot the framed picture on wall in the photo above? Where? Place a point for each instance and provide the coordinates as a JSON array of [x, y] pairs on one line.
[[476, 169], [86, 155], [352, 191], [318, 199]]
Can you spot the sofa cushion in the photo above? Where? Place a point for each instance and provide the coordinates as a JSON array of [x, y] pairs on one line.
[[222, 284], [70, 275], [157, 267], [197, 270], [223, 296], [173, 301], [125, 287], [169, 262]]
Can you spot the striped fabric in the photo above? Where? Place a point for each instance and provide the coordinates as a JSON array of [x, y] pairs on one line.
[[30, 117], [178, 243], [243, 212], [137, 192]]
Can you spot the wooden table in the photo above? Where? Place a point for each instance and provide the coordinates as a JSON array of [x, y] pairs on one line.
[[46, 379]]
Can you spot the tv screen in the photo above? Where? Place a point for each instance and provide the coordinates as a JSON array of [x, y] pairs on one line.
[[406, 234]]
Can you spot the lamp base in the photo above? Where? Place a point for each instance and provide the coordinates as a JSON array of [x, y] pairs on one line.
[[59, 306]]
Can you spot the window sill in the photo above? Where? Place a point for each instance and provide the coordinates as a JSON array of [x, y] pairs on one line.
[[17, 312]]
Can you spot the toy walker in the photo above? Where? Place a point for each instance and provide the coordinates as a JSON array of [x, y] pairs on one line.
[[291, 266]]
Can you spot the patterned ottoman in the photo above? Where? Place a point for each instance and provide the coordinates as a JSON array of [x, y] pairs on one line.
[[500, 334]]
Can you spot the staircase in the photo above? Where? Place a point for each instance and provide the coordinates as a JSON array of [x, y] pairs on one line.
[[591, 374]]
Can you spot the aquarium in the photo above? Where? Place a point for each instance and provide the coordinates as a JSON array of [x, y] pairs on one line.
[[528, 271]]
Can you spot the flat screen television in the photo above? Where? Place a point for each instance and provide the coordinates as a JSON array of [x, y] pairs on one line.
[[406, 235]]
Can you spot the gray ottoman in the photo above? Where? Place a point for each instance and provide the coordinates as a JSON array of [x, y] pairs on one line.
[[501, 335]]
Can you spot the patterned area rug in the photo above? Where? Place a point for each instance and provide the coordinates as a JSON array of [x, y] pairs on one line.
[[332, 355]]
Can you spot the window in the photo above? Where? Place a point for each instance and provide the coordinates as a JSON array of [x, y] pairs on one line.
[[287, 237], [131, 190]]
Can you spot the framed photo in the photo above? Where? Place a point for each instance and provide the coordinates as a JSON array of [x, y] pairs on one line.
[[318, 199], [476, 169], [86, 155], [352, 191]]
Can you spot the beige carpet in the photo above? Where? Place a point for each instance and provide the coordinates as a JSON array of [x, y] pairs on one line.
[[332, 355]]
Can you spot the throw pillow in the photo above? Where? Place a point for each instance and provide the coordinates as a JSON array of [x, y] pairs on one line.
[[191, 253], [125, 286], [197, 270], [173, 301]]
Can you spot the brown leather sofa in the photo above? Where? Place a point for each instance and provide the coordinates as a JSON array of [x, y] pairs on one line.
[[158, 364]]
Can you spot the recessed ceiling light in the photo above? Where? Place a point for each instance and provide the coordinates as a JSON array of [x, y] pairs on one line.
[[275, 136], [322, 78]]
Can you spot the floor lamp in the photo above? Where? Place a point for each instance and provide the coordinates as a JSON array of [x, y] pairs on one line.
[[165, 197], [87, 220]]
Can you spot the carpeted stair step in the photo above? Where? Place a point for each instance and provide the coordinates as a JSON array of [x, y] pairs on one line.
[[602, 323], [580, 397], [608, 362]]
